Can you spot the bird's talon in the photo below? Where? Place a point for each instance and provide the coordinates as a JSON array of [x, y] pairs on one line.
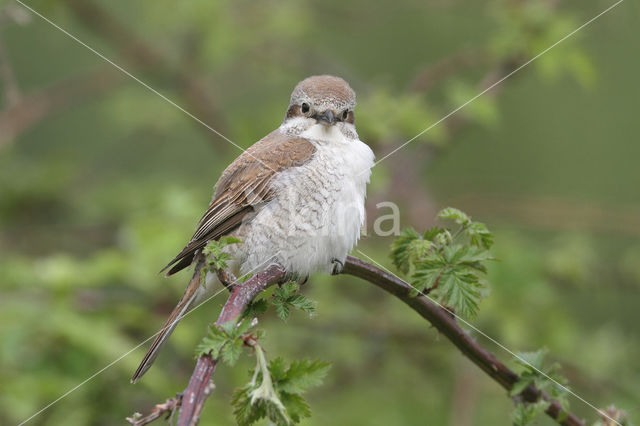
[[338, 265]]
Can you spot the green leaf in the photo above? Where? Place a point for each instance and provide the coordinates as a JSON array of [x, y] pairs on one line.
[[229, 240], [278, 369], [228, 327], [231, 351], [277, 396], [245, 412], [255, 308], [454, 214], [285, 297], [282, 309], [401, 255], [461, 291], [286, 290], [428, 272], [531, 359], [447, 264], [216, 257], [525, 413], [224, 341], [297, 407], [479, 235], [303, 303], [533, 371], [302, 375], [241, 328], [212, 342]]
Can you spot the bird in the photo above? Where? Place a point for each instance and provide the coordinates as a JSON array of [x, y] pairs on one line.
[[295, 198]]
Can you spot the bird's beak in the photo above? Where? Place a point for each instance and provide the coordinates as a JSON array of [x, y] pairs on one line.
[[327, 118]]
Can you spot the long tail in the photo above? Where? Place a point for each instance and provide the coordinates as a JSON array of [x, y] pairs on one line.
[[178, 312]]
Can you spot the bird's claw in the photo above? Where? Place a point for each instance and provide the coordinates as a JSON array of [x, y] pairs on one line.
[[338, 265]]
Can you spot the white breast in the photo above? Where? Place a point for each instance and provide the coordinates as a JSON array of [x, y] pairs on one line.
[[318, 210]]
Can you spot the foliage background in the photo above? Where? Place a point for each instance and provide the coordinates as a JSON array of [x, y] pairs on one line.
[[98, 192]]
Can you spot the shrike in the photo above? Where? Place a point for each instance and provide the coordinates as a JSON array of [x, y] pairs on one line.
[[295, 198]]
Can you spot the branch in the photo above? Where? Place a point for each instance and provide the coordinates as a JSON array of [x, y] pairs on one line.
[[442, 320], [168, 407], [200, 386]]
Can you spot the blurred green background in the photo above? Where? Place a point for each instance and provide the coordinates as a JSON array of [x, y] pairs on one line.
[[102, 182]]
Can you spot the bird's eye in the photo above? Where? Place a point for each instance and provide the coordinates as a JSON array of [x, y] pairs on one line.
[[305, 107], [345, 114]]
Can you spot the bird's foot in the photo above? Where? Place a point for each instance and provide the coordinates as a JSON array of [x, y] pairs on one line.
[[303, 280], [338, 265]]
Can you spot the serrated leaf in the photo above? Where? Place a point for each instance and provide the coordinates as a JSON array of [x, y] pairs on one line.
[[286, 290], [245, 412], [285, 297], [228, 327], [469, 255], [302, 375], [297, 407], [216, 257], [454, 214], [212, 342], [525, 413], [277, 368], [282, 309], [479, 235], [241, 328], [231, 351], [461, 291], [529, 359], [431, 233], [404, 249], [545, 379], [255, 308], [303, 303], [427, 274]]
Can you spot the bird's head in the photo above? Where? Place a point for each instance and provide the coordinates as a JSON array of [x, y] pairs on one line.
[[324, 100]]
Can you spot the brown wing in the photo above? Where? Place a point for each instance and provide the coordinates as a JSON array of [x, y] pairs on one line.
[[245, 183]]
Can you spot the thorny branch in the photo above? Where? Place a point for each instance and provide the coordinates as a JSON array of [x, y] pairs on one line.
[[200, 385], [442, 320]]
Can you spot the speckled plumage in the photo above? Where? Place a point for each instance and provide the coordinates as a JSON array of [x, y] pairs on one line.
[[295, 198]]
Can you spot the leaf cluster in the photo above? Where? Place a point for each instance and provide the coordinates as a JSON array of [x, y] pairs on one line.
[[214, 252], [286, 297], [448, 263], [275, 392], [533, 372], [224, 341]]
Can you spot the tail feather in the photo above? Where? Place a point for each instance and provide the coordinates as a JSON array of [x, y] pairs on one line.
[[178, 312]]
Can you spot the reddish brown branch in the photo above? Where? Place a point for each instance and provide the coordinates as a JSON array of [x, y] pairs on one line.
[[200, 386], [442, 320], [168, 408]]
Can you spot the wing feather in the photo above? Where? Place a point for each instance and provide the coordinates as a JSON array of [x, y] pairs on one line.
[[244, 184]]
